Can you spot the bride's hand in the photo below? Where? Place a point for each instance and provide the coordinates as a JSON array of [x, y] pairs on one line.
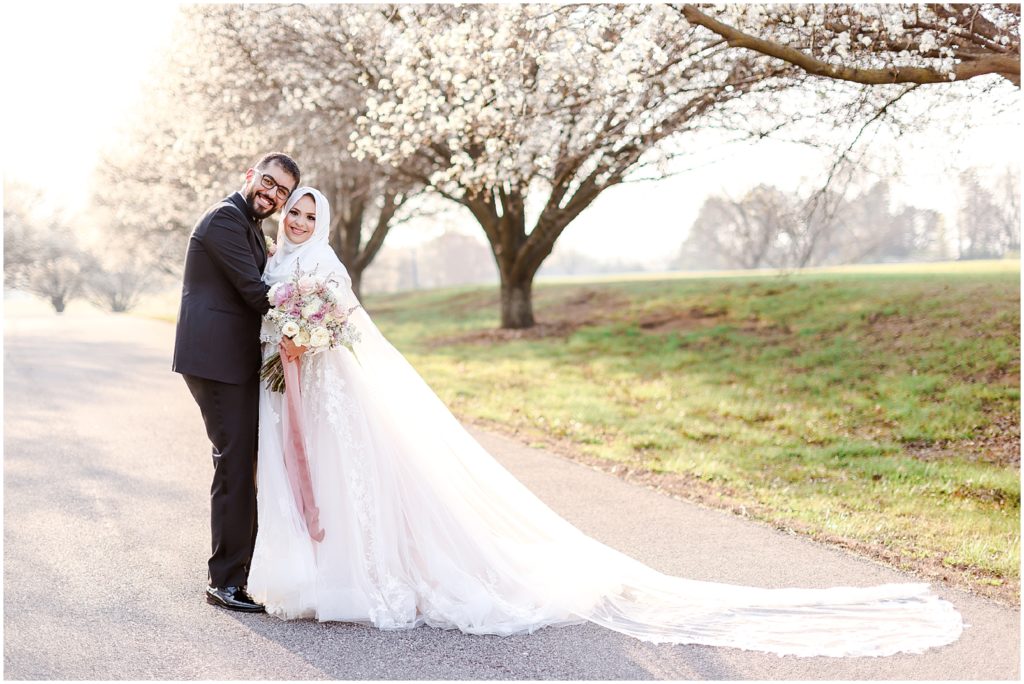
[[291, 350]]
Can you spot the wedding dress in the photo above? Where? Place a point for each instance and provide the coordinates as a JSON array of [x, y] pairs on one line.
[[424, 527]]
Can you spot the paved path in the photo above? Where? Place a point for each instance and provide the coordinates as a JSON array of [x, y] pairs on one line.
[[106, 534]]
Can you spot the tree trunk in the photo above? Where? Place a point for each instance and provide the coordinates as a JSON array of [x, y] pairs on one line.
[[357, 283], [519, 254], [505, 227], [58, 303], [346, 237], [517, 304]]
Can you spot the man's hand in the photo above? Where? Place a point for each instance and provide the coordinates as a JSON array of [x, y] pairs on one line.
[[291, 350]]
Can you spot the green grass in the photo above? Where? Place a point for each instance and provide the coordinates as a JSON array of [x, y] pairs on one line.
[[878, 409]]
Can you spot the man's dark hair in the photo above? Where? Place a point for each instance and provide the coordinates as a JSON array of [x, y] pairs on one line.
[[282, 160]]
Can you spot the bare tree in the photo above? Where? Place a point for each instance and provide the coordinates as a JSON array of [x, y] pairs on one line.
[[745, 233], [56, 270], [118, 289], [769, 227], [989, 220], [59, 277], [41, 253], [23, 205], [1007, 191]]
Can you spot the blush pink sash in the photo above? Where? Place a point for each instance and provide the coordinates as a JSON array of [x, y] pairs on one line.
[[295, 461]]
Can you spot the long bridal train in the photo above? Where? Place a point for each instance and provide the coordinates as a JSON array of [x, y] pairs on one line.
[[424, 527]]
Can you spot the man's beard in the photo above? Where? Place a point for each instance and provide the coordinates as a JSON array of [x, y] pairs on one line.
[[250, 201]]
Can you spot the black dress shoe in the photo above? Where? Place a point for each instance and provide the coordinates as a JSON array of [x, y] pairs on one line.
[[233, 598]]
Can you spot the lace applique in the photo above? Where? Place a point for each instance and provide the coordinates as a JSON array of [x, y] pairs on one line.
[[395, 605], [335, 406], [393, 601], [269, 333]]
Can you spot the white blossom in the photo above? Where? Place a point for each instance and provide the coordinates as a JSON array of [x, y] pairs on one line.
[[931, 34]]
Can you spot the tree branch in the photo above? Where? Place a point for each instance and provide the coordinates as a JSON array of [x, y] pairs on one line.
[[1004, 65]]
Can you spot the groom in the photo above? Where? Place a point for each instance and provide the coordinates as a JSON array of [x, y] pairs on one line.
[[217, 350]]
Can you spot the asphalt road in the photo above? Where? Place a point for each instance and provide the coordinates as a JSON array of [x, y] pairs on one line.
[[106, 534]]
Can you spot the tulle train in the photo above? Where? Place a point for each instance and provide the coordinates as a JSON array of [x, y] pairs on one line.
[[424, 527]]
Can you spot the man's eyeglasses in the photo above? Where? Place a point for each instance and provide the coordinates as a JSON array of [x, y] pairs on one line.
[[269, 183]]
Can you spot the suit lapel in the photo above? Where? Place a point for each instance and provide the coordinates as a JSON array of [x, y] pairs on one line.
[[262, 242], [254, 228]]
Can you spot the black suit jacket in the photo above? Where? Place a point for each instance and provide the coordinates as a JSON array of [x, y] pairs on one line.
[[223, 296]]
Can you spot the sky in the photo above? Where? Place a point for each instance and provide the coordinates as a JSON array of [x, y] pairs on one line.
[[929, 178], [73, 73]]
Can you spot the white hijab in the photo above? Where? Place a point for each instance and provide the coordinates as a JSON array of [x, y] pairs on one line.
[[315, 254]]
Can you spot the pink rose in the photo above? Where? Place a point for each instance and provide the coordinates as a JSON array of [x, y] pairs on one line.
[[307, 284], [282, 295]]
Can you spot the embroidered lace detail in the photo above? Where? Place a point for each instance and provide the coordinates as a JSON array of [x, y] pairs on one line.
[[393, 602], [270, 335], [334, 405]]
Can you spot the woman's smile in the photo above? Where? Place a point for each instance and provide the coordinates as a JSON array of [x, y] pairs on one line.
[[300, 221]]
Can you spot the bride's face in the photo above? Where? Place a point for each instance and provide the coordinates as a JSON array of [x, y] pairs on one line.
[[300, 220]]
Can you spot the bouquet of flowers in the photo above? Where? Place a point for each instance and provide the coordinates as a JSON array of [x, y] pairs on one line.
[[306, 310]]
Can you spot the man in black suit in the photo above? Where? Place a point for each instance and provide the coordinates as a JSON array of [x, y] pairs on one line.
[[217, 350]]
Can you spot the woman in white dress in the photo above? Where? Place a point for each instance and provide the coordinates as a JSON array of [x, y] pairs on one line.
[[421, 526]]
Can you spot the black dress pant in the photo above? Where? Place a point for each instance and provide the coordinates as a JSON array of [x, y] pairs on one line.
[[231, 414]]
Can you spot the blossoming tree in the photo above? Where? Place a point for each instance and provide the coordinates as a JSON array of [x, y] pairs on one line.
[[242, 80], [525, 114], [875, 43]]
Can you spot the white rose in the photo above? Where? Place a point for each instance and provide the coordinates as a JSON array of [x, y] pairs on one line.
[[311, 307], [301, 339], [307, 284], [290, 329], [320, 337], [273, 290]]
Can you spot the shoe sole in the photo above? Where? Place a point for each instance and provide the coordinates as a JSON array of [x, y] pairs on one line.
[[238, 609]]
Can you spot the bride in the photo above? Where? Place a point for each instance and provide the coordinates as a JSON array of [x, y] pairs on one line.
[[419, 525]]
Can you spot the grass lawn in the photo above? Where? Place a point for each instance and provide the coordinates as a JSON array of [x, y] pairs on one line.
[[875, 408]]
